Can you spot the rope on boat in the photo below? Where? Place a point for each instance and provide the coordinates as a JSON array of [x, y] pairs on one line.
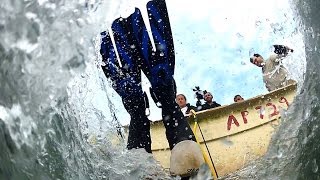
[[205, 156]]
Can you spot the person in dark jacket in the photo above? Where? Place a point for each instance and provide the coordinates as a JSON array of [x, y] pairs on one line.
[[210, 103], [184, 106]]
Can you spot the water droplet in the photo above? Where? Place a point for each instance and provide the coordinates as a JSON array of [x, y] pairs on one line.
[[126, 66], [251, 52], [314, 166], [239, 35], [51, 96], [258, 23], [80, 22], [161, 54]]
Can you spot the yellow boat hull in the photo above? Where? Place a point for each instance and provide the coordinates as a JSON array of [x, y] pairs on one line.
[[235, 134]]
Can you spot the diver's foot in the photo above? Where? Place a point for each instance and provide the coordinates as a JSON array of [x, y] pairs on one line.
[[186, 159]]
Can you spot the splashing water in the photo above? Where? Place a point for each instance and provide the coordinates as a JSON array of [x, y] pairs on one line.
[[56, 121], [44, 117]]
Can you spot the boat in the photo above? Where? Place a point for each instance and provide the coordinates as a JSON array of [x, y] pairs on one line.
[[235, 134]]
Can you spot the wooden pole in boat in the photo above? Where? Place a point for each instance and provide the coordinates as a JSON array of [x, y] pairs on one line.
[[205, 156]]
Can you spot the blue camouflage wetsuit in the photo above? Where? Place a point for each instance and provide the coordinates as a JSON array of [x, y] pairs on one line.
[[136, 54]]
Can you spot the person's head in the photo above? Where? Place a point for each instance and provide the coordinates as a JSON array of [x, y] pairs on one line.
[[257, 60], [208, 97], [237, 98], [181, 100]]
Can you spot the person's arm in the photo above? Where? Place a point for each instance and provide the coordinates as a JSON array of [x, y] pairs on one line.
[[280, 51], [217, 104], [190, 107], [195, 108], [289, 49], [203, 107], [276, 58]]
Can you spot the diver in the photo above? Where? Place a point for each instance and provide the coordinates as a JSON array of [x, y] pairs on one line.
[[128, 50]]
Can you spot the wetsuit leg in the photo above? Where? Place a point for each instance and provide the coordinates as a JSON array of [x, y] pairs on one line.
[[135, 51], [159, 68], [126, 79]]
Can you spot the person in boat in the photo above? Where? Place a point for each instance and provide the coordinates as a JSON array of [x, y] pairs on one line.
[[238, 98], [275, 75], [128, 50], [184, 106], [210, 103]]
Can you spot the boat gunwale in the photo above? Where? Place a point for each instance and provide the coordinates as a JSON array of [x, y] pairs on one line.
[[217, 138], [254, 100]]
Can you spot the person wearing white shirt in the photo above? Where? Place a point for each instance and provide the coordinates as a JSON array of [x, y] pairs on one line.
[[184, 106]]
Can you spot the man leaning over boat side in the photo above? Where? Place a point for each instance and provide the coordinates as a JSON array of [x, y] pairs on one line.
[[275, 75]]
